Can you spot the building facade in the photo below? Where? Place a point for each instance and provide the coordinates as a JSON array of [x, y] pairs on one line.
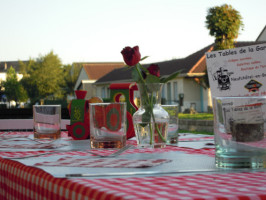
[[187, 90]]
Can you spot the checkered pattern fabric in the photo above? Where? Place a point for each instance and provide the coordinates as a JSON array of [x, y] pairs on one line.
[[20, 135], [64, 134], [32, 146], [18, 182], [196, 138], [107, 162], [204, 151]]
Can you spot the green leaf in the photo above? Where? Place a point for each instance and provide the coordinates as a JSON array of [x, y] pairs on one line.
[[127, 67], [152, 79], [135, 75], [143, 68], [144, 58], [172, 76]]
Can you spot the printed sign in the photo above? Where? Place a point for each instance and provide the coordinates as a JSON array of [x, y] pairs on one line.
[[237, 72]]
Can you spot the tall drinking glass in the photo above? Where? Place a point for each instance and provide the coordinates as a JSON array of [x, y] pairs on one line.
[[239, 126], [172, 137]]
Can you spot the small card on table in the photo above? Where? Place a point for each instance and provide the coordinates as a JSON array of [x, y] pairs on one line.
[[237, 72]]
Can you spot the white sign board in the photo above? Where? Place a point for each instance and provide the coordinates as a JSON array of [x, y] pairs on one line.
[[237, 72]]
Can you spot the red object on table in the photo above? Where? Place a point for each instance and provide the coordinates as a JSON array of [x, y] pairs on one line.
[[80, 94], [125, 90], [79, 128], [79, 131]]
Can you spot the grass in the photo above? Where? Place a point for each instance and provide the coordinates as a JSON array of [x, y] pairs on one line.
[[201, 116], [196, 132]]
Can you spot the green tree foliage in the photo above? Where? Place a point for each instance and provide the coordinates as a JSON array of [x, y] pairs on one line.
[[27, 81], [13, 88], [71, 76], [43, 78], [224, 23]]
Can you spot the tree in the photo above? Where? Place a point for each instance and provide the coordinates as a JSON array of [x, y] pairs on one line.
[[224, 23], [71, 76], [27, 81], [43, 78], [13, 88]]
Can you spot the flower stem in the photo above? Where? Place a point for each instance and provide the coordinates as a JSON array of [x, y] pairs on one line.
[[150, 104], [146, 99]]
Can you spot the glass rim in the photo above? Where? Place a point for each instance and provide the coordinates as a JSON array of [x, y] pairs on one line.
[[240, 97], [46, 105], [169, 105], [110, 103]]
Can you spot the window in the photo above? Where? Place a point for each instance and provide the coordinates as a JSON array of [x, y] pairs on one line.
[[175, 92], [163, 92], [163, 95], [103, 92], [169, 96], [108, 92]]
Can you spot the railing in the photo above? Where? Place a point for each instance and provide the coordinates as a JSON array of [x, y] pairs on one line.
[[25, 113]]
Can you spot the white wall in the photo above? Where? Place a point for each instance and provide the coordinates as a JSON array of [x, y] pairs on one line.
[[82, 76], [206, 99], [3, 77], [103, 91], [263, 35], [191, 90], [179, 82]]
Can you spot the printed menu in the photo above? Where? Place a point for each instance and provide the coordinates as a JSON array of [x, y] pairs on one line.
[[240, 72], [237, 72]]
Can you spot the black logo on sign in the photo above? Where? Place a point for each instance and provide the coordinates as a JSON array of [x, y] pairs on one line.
[[222, 76], [253, 86]]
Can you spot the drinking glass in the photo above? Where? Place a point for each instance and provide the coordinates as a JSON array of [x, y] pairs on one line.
[[239, 127], [47, 121], [172, 137], [108, 125]]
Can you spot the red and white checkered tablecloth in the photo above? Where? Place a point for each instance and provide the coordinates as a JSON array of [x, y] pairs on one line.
[[19, 182], [64, 134], [107, 162], [202, 151], [32, 146]]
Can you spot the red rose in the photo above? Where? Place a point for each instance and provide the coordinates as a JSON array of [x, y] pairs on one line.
[[154, 70], [131, 55]]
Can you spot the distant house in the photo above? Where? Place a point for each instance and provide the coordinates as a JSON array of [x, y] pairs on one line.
[[186, 89], [4, 67], [91, 72]]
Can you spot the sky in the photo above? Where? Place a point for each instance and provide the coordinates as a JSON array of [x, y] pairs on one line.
[[97, 30]]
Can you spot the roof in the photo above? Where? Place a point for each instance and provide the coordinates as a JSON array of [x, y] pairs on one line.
[[5, 65], [99, 69], [194, 63], [261, 33]]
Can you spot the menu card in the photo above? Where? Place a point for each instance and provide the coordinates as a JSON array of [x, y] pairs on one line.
[[240, 72], [237, 72]]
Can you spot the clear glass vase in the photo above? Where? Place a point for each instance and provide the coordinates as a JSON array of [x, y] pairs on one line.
[[151, 120]]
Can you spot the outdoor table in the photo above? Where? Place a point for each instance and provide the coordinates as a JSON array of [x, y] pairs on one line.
[[190, 174]]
